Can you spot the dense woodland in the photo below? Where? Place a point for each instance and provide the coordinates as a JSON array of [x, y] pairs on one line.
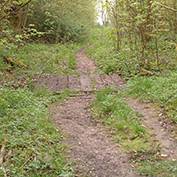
[[148, 28], [135, 39]]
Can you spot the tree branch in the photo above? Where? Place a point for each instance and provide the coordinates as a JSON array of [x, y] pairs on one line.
[[21, 6], [167, 7]]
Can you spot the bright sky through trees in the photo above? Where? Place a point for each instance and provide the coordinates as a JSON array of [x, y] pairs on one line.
[[101, 13]]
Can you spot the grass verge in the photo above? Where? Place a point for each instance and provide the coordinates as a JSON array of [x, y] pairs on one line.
[[128, 131], [161, 90], [39, 59], [112, 110], [29, 142]]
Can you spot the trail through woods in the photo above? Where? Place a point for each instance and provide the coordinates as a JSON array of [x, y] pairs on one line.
[[91, 147], [90, 144], [152, 118]]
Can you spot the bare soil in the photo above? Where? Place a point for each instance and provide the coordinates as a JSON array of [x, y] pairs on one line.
[[88, 78], [57, 83], [90, 145], [152, 118]]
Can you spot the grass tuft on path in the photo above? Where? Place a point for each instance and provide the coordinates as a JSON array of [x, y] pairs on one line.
[[158, 168]]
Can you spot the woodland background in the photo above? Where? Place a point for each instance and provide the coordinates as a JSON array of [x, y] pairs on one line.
[[136, 39]]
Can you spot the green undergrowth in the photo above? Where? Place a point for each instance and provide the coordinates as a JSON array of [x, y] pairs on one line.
[[111, 109], [161, 90], [127, 61], [158, 168], [101, 50], [40, 59], [30, 143]]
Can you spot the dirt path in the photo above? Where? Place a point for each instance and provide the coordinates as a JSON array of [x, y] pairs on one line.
[[88, 80], [91, 147], [150, 115], [151, 118]]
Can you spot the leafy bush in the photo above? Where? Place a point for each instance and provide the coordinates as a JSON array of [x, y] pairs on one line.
[[59, 21]]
